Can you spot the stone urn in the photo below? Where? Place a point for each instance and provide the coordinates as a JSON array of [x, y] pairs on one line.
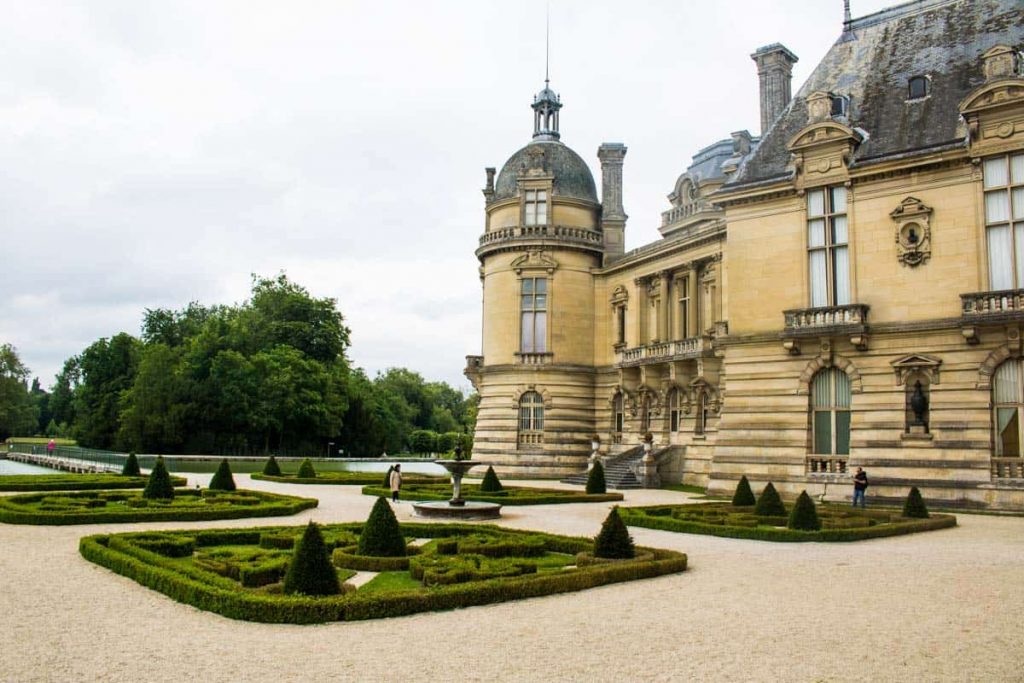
[[457, 468]]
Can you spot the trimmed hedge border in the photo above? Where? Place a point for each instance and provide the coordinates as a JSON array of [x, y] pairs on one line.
[[357, 479], [209, 591], [271, 505], [75, 482], [506, 497], [637, 516]]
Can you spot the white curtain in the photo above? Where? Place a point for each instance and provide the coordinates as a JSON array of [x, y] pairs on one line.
[[540, 340], [819, 279], [1017, 169], [997, 206], [842, 274], [839, 199], [1000, 257], [526, 343], [1006, 383], [995, 172], [816, 203]]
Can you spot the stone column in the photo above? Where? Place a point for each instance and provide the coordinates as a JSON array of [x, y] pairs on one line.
[[664, 333], [641, 310], [692, 329]]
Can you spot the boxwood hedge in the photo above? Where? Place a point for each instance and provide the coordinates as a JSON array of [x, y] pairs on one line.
[[509, 495], [192, 584], [75, 482], [346, 478]]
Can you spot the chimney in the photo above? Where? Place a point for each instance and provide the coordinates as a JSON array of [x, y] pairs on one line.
[[775, 71], [489, 188], [613, 216]]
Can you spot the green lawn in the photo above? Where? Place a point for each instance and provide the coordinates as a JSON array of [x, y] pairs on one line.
[[510, 495]]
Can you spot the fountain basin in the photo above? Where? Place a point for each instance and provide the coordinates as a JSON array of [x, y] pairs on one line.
[[469, 509]]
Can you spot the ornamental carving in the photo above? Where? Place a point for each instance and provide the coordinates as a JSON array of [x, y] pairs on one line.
[[620, 295], [913, 232], [906, 366], [999, 62], [535, 259]]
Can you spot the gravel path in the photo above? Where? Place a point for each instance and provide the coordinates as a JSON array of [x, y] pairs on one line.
[[945, 605]]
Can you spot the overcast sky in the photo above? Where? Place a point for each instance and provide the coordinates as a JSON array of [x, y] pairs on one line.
[[155, 153]]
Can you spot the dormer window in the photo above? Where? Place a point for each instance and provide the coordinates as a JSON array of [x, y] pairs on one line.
[[535, 209], [840, 105], [917, 87]]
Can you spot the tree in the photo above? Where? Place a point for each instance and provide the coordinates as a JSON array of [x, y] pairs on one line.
[[614, 541], [769, 504], [19, 414], [131, 467], [222, 479], [491, 483], [423, 441], [743, 495], [914, 506], [595, 479], [108, 370], [381, 535], [804, 517], [159, 486], [310, 571], [155, 410]]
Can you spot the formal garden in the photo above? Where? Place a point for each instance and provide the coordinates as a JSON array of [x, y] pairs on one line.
[[159, 500], [306, 574], [768, 518], [75, 482], [307, 474]]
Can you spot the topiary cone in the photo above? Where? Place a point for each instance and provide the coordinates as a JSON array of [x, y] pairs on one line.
[[387, 477], [614, 541], [770, 504], [491, 483], [222, 479], [159, 486], [272, 469], [306, 470], [381, 535], [743, 495], [131, 467], [914, 506], [310, 571], [595, 479], [804, 517]]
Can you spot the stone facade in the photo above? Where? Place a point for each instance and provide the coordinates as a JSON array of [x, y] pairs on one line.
[[822, 297]]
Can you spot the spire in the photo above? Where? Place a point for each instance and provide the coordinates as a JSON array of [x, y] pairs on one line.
[[847, 19], [546, 103]]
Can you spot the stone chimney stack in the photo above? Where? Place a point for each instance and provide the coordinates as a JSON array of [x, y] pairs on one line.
[[775, 71], [613, 216]]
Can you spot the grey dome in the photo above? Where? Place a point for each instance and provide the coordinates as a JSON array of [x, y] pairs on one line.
[[572, 176]]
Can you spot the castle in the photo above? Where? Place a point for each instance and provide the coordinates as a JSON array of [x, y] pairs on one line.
[[846, 289]]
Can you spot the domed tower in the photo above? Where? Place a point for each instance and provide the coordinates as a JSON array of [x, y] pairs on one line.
[[544, 235]]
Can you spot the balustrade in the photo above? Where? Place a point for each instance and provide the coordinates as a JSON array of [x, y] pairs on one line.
[[526, 232], [1008, 468], [680, 349], [1007, 302], [534, 358], [813, 320], [826, 464]]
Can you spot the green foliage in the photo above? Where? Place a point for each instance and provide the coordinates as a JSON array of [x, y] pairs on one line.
[[159, 486], [19, 413], [490, 482], [914, 506], [351, 478], [509, 495], [310, 571], [447, 441], [614, 541], [743, 495], [596, 483], [222, 479], [770, 503], [306, 470], [67, 481], [381, 535], [803, 517], [271, 468], [131, 467], [423, 441]]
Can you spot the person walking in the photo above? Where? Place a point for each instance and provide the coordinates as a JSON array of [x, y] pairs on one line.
[[396, 482], [860, 485], [50, 447]]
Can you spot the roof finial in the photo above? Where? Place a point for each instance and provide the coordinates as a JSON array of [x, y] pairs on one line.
[[547, 41], [846, 14]]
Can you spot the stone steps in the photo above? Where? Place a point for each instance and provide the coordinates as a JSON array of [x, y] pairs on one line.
[[618, 471]]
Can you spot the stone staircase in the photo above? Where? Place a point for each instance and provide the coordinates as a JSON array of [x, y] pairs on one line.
[[619, 471]]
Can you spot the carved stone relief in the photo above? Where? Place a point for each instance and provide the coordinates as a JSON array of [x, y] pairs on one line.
[[913, 232]]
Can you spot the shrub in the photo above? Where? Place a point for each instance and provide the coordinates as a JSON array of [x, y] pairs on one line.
[[743, 494], [423, 441], [915, 507], [387, 477], [804, 517], [770, 504], [447, 441], [306, 470], [159, 486], [222, 479], [310, 571], [381, 534], [490, 482], [595, 480], [614, 541], [272, 469], [131, 467]]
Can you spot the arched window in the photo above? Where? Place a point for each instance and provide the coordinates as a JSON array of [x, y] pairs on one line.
[[1007, 402], [674, 410], [531, 418], [830, 407], [617, 416]]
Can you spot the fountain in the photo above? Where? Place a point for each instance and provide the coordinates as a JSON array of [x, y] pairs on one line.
[[457, 507]]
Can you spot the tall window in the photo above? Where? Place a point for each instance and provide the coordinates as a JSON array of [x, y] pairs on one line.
[[684, 308], [830, 394], [1008, 401], [617, 414], [534, 309], [536, 207], [702, 413], [673, 410], [828, 248], [620, 324], [531, 418], [1004, 221]]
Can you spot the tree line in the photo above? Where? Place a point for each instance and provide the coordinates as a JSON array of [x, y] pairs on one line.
[[269, 375]]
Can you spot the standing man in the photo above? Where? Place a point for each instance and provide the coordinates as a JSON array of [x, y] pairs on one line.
[[396, 482], [860, 484]]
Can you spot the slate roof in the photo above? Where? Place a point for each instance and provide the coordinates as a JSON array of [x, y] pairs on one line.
[[572, 177], [872, 63]]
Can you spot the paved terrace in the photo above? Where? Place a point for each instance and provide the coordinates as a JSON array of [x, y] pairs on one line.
[[945, 605]]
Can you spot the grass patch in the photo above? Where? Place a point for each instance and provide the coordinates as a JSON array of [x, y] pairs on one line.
[[685, 488], [74, 482], [839, 523], [233, 573], [98, 507], [345, 478], [41, 441], [509, 495]]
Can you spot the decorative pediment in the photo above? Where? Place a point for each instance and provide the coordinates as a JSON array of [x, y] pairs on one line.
[[999, 93], [822, 133], [999, 61], [535, 259], [620, 295], [699, 386], [904, 367]]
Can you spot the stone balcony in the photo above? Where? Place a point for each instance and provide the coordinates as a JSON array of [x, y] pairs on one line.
[[516, 236], [662, 352], [533, 358], [826, 321], [989, 308]]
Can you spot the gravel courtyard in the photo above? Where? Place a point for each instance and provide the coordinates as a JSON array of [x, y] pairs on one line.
[[945, 605]]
